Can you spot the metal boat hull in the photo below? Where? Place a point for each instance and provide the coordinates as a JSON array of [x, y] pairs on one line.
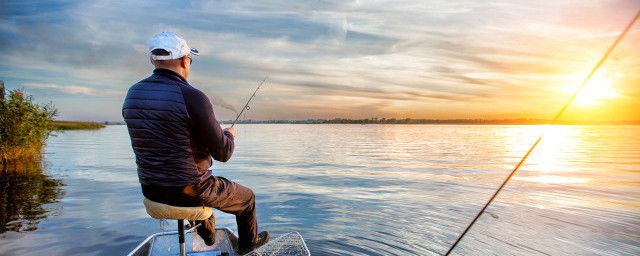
[[166, 243]]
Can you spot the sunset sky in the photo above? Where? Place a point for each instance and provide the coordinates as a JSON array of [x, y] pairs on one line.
[[327, 59]]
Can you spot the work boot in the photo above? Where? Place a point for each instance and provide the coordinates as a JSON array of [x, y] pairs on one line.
[[207, 230], [263, 238]]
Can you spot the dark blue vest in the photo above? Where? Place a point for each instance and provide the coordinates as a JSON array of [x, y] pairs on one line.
[[160, 129]]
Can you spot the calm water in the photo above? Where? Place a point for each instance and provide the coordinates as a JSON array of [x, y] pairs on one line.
[[355, 189]]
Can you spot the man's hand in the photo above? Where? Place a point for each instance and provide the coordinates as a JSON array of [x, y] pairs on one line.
[[230, 130]]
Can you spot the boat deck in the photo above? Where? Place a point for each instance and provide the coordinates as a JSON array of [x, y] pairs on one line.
[[166, 243]]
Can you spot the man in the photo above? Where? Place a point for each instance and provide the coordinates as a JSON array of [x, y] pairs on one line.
[[174, 134]]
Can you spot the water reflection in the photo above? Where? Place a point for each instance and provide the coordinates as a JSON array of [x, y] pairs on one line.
[[25, 192], [367, 190]]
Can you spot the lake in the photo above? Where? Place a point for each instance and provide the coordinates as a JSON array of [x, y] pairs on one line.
[[355, 190]]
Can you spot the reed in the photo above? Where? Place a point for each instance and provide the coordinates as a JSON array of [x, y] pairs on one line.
[[24, 126]]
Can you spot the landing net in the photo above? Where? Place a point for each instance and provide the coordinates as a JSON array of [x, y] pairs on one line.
[[289, 244]]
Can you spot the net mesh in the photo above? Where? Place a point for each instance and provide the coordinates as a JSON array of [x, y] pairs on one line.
[[288, 244]]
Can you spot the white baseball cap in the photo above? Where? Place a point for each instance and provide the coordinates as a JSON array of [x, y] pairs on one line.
[[172, 43]]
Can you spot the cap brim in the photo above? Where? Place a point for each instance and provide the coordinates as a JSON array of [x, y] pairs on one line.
[[195, 51]]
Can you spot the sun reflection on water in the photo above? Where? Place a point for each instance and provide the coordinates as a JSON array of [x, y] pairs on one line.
[[550, 179], [550, 162]]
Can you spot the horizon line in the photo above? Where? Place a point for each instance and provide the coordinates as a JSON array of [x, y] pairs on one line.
[[338, 120]]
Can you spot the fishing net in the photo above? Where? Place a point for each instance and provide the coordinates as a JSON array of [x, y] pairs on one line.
[[289, 244]]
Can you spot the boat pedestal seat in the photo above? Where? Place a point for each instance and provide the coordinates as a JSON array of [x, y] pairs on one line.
[[165, 211]]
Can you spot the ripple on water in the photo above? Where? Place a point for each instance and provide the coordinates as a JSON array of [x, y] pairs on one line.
[[371, 190]]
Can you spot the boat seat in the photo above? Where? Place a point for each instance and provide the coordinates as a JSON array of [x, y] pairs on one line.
[[165, 211]]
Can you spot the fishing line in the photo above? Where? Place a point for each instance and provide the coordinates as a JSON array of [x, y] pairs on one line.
[[246, 106], [555, 119]]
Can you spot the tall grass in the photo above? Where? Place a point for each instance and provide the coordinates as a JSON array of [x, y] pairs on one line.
[[24, 126]]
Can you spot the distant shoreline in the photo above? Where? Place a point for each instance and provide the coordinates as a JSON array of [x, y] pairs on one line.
[[436, 121], [77, 125], [422, 121]]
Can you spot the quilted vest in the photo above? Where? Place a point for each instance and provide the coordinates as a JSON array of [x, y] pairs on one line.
[[160, 130]]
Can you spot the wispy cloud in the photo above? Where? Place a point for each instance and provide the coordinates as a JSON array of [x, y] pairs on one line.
[[71, 89]]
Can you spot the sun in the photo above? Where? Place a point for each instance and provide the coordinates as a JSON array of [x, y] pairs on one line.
[[599, 88]]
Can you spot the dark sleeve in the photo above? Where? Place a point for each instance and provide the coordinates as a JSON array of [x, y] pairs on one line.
[[219, 144]]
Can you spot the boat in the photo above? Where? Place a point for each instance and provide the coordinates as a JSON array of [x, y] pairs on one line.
[[187, 242], [166, 243]]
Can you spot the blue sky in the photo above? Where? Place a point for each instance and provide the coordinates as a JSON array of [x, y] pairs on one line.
[[326, 59]]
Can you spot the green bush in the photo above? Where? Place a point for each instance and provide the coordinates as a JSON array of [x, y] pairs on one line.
[[24, 126]]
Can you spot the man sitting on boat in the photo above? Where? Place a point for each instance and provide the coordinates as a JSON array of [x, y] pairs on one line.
[[174, 134]]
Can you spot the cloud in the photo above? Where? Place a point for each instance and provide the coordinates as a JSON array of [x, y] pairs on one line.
[[391, 56], [70, 89]]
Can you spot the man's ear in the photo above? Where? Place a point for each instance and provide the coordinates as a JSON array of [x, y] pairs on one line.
[[183, 62]]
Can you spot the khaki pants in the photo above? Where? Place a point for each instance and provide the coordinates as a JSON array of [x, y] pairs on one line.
[[233, 198]]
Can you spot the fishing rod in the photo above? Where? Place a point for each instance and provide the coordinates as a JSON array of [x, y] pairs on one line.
[[555, 119], [246, 106]]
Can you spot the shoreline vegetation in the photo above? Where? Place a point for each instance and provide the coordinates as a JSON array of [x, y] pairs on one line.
[[517, 121], [24, 127], [76, 125]]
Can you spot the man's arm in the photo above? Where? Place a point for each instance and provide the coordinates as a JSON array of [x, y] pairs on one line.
[[219, 142]]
